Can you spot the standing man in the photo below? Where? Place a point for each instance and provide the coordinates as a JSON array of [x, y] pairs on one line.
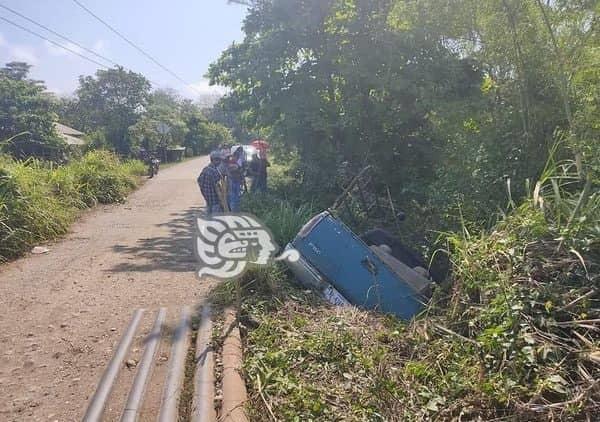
[[254, 171], [235, 175], [258, 169], [209, 181]]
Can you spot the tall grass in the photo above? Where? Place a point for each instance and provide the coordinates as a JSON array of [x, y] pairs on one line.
[[571, 205], [282, 217], [39, 200]]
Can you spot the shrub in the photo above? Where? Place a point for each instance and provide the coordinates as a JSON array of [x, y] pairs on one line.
[[39, 200], [29, 212]]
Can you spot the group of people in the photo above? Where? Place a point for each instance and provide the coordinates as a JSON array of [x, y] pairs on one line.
[[223, 181]]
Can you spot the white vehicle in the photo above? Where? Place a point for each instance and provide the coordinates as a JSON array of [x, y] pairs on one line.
[[249, 151]]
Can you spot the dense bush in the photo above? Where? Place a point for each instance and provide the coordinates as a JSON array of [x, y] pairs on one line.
[[39, 200]]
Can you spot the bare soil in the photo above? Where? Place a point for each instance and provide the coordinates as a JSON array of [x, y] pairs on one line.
[[62, 314]]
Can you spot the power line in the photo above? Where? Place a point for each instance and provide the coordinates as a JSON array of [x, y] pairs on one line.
[[53, 42], [60, 36], [70, 50], [131, 43]]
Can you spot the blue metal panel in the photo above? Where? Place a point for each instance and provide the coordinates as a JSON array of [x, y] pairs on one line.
[[354, 269]]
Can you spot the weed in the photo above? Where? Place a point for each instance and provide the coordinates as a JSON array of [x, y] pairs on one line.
[[39, 200], [514, 336], [282, 217]]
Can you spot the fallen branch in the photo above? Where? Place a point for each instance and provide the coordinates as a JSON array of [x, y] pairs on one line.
[[271, 414], [579, 299], [574, 400], [578, 322], [454, 333]]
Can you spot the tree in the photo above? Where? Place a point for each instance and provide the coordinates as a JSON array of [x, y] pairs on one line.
[[445, 98], [25, 107], [336, 81], [164, 107], [227, 113], [112, 101], [188, 126], [17, 71], [204, 134]]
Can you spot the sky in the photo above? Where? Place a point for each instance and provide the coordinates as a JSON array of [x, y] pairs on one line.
[[183, 35]]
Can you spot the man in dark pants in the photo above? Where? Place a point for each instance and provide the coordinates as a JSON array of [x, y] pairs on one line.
[[208, 182], [258, 170]]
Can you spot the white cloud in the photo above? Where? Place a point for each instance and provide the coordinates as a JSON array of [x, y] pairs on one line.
[[55, 90], [56, 51], [100, 46], [18, 52], [23, 53], [202, 88]]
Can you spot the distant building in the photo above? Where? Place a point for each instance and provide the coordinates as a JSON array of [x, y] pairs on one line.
[[175, 153], [72, 137]]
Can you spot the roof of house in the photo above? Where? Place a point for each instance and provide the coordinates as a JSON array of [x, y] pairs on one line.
[[70, 136]]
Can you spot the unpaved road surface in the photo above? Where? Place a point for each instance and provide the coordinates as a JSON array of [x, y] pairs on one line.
[[63, 313]]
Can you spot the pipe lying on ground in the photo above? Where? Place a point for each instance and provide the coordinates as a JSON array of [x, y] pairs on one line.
[[204, 382], [174, 384], [136, 395], [234, 388], [98, 401]]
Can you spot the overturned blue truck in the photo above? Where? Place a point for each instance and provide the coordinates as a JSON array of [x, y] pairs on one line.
[[344, 269]]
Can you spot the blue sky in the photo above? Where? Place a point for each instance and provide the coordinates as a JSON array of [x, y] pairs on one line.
[[184, 35]]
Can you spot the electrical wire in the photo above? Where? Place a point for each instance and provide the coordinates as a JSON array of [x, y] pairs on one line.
[[131, 43], [70, 50], [53, 42], [100, 56]]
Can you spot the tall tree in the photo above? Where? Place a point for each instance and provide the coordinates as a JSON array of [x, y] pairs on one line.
[[25, 107], [112, 101], [17, 71], [336, 80], [164, 108], [446, 98]]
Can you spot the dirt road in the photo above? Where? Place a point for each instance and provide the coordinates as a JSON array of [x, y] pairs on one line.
[[63, 313]]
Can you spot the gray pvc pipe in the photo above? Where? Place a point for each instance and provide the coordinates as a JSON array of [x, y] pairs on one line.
[[98, 400], [170, 401], [138, 388], [204, 383]]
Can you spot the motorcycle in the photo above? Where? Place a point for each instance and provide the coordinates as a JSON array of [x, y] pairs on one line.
[[153, 167]]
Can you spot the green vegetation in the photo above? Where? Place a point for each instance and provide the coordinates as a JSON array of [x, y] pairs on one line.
[[122, 113], [282, 217], [27, 115], [446, 99], [38, 200], [513, 335], [115, 107], [482, 120]]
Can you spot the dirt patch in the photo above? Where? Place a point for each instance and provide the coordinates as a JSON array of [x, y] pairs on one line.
[[65, 311]]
